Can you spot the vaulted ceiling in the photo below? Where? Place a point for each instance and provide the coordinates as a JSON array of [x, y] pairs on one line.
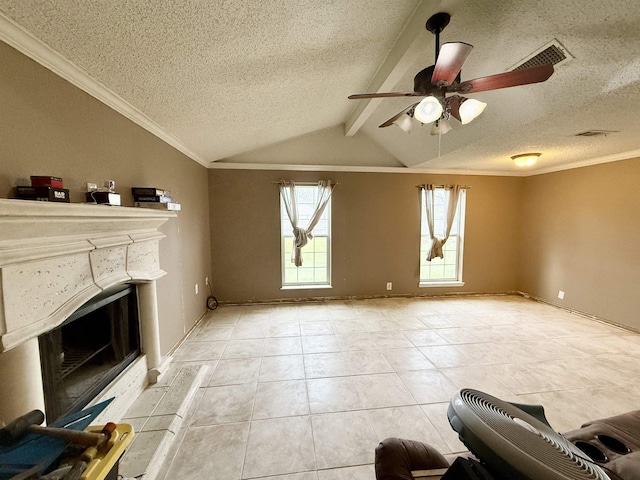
[[264, 84]]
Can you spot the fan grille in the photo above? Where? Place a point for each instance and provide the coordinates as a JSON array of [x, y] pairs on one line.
[[535, 439]]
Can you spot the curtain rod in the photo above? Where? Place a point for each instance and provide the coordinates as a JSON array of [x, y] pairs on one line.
[[462, 187]]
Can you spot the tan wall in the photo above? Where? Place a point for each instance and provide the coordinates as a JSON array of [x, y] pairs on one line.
[[375, 234], [581, 234], [49, 127]]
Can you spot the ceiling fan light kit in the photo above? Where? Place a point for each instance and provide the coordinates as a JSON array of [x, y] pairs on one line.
[[428, 110], [441, 126], [470, 109], [404, 122], [525, 159], [442, 78]]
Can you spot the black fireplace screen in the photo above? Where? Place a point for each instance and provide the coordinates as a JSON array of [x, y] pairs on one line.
[[90, 349]]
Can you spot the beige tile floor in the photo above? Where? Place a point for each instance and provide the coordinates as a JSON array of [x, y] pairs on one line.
[[306, 392]]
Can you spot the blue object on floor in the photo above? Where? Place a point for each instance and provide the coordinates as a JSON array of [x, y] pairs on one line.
[[39, 450]]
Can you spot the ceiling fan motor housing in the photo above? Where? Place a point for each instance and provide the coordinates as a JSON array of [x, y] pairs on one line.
[[422, 82]]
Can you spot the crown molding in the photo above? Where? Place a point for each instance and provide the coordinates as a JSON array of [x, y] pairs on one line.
[[344, 168], [17, 37], [591, 161], [429, 171]]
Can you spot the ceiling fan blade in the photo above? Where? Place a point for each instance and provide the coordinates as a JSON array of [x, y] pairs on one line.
[[450, 59], [504, 80], [358, 96], [395, 117]]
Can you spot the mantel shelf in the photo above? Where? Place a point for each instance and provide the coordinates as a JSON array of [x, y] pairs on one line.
[[56, 256], [22, 220]]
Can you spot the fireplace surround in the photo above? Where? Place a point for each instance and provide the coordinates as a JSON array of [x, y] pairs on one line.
[[54, 258]]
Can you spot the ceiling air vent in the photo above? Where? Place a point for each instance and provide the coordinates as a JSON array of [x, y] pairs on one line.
[[552, 53], [595, 133]]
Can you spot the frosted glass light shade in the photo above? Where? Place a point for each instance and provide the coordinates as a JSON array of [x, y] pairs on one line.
[[470, 109], [404, 122], [440, 127], [428, 110], [525, 159]]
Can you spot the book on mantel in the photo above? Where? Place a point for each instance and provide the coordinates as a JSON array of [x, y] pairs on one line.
[[45, 181], [159, 206], [48, 194], [148, 191], [153, 198]]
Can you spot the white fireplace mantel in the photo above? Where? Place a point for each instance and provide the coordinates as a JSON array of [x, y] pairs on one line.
[[56, 256]]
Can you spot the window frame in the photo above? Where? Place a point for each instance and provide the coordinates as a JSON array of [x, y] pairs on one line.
[[287, 233], [444, 282]]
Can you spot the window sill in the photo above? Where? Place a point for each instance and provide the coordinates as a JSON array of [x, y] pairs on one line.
[[304, 287], [440, 284]]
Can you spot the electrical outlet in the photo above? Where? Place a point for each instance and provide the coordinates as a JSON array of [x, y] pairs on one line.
[[389, 285], [196, 288], [91, 187], [206, 280], [560, 294]]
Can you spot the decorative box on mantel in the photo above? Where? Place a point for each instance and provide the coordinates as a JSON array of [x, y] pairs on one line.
[[54, 257]]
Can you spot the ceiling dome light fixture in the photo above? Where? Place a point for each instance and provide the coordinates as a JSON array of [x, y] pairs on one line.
[[405, 122], [525, 159], [428, 110]]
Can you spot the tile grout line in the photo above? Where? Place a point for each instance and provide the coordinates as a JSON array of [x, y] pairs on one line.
[[251, 420]]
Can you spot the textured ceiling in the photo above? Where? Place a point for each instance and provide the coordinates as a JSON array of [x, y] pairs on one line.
[[257, 81]]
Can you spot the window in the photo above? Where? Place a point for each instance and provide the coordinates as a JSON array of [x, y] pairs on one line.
[[447, 270], [316, 254]]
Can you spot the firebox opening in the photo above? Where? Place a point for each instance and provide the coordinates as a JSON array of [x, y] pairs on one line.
[[89, 350]]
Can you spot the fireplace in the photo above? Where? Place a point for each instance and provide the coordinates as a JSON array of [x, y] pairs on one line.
[[89, 350], [60, 262]]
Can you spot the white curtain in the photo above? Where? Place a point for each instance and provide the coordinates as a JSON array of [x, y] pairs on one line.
[[302, 234], [451, 204]]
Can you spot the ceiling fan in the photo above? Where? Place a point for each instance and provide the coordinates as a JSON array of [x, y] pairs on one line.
[[436, 81]]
